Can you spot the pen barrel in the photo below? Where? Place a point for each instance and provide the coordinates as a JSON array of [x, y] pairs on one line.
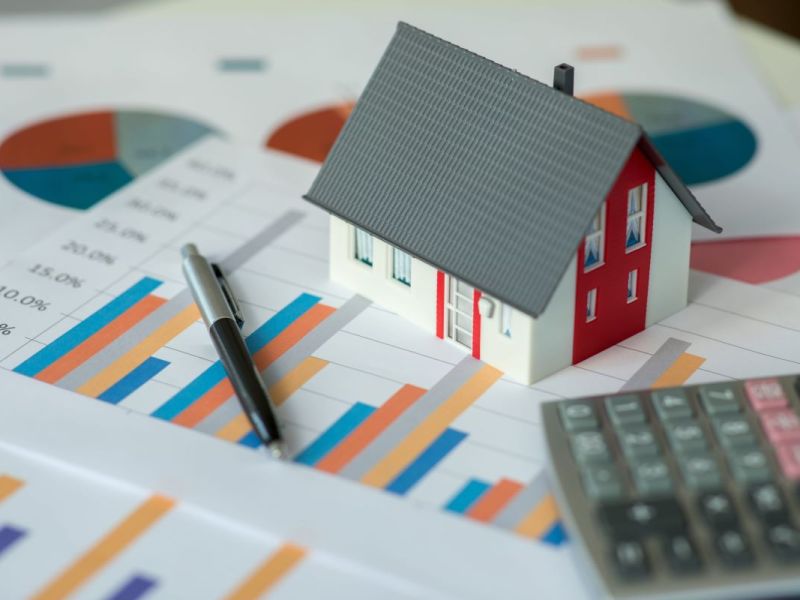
[[245, 379]]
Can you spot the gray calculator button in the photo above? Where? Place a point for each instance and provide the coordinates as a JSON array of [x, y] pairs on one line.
[[652, 477], [720, 398], [750, 466], [637, 441], [578, 416], [672, 405], [700, 472], [625, 410], [602, 482], [734, 432], [686, 436], [590, 447]]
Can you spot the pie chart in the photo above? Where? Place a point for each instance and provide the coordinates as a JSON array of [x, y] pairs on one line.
[[77, 160], [311, 135], [702, 142]]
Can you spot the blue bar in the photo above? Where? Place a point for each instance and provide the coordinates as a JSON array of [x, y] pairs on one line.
[[134, 589], [250, 440], [556, 536], [86, 328], [331, 437], [426, 461], [468, 495], [255, 341], [133, 380], [9, 536]]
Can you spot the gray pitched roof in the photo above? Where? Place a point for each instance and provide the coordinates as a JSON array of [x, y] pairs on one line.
[[476, 169]]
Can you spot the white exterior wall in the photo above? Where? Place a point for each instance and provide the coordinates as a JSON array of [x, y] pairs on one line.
[[417, 302], [512, 355], [669, 259]]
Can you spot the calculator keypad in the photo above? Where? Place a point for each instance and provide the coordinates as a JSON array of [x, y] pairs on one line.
[[689, 481]]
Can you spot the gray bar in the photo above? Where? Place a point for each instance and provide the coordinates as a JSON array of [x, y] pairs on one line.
[[411, 418], [223, 415], [651, 370], [24, 70], [242, 64], [263, 238], [523, 503], [329, 327], [123, 344]]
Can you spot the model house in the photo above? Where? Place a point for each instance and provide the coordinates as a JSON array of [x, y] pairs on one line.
[[523, 224]]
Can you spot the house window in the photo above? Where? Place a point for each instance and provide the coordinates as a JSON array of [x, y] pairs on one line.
[[594, 245], [633, 285], [505, 320], [591, 305], [363, 247], [637, 205], [401, 267]]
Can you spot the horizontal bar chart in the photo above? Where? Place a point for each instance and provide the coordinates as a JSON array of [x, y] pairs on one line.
[[345, 425], [270, 573], [131, 382], [135, 588], [9, 536], [8, 486]]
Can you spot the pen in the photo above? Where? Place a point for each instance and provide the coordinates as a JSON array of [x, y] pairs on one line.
[[222, 316]]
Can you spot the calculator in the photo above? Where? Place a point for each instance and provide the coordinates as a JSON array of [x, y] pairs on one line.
[[686, 493]]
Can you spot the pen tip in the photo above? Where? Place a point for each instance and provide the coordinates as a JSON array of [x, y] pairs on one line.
[[189, 250], [277, 449]]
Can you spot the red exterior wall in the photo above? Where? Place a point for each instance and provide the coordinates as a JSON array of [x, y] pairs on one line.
[[616, 318]]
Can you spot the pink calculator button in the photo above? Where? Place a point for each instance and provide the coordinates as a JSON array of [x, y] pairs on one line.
[[789, 458], [781, 426], [765, 394]]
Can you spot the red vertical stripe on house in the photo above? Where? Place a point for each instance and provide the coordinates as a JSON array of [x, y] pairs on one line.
[[439, 304], [476, 325]]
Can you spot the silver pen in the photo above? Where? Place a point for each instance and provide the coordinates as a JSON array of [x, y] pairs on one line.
[[222, 316]]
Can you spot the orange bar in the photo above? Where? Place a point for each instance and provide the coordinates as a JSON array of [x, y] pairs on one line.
[[205, 404], [291, 335], [100, 340], [9, 485], [494, 500], [295, 379], [107, 548], [611, 102], [540, 519], [679, 371], [269, 573], [236, 429], [376, 423]]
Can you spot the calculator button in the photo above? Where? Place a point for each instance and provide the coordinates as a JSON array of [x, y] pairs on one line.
[[651, 477], [733, 548], [602, 482], [765, 394], [768, 503], [719, 398], [638, 518], [672, 405], [750, 466], [686, 436], [630, 559], [681, 553], [625, 410], [700, 472], [789, 460], [734, 432], [781, 426], [590, 447], [637, 441], [578, 416], [718, 510], [784, 541]]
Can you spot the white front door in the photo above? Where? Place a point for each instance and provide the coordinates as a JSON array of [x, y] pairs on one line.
[[459, 311]]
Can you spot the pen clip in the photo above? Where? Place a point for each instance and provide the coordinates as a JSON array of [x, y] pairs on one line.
[[229, 297]]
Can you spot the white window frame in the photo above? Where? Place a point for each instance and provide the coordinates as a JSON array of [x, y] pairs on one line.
[[600, 235], [591, 305], [505, 320], [400, 269], [639, 192], [363, 241], [633, 284]]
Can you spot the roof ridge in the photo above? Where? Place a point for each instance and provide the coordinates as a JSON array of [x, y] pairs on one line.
[[404, 25]]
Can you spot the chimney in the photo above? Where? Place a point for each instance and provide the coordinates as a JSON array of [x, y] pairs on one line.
[[564, 78]]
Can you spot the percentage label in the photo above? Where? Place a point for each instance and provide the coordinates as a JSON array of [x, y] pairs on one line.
[[115, 228], [52, 274], [153, 209], [15, 295], [93, 254], [5, 329]]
